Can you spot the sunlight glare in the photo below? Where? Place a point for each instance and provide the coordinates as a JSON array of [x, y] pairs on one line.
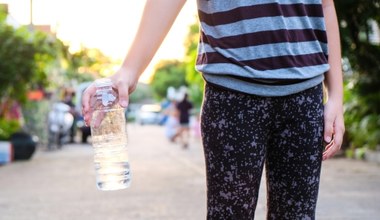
[[108, 25]]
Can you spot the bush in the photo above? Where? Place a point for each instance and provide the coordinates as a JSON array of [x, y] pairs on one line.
[[35, 115], [361, 119], [7, 128]]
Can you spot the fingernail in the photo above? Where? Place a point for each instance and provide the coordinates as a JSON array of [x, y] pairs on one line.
[[124, 103], [328, 139]]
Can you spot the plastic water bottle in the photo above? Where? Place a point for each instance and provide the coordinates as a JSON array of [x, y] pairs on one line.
[[109, 138]]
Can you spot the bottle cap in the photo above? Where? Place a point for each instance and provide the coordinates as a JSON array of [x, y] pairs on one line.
[[104, 91]]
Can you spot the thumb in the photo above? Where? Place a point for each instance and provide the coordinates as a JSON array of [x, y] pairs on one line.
[[328, 129], [123, 96]]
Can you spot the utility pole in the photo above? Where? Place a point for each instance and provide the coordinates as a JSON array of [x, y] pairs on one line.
[[31, 16]]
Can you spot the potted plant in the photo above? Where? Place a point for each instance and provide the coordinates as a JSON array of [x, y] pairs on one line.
[[7, 128]]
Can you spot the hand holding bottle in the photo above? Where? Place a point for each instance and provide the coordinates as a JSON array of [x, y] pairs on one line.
[[123, 82]]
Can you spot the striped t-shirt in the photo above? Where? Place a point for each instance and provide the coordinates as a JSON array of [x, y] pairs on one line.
[[262, 47]]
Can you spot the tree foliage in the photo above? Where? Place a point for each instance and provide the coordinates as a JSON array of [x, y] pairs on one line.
[[34, 59], [176, 73], [143, 93], [193, 77], [25, 58], [169, 73], [30, 60], [362, 92], [355, 18], [87, 64]]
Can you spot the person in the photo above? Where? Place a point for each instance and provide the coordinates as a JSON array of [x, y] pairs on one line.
[[165, 105], [68, 99], [264, 63], [172, 122], [184, 108]]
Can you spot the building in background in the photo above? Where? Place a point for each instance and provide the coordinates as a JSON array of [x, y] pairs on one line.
[[14, 23]]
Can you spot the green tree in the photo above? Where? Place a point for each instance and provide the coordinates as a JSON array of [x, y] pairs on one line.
[[143, 93], [174, 73], [87, 64], [24, 60], [169, 73], [362, 92], [35, 60], [193, 77]]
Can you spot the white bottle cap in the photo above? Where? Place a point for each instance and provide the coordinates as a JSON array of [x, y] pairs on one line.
[[104, 94]]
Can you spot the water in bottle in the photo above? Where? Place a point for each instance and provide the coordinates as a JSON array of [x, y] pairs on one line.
[[109, 139]]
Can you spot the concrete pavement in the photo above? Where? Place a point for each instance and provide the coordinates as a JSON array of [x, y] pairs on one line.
[[168, 184]]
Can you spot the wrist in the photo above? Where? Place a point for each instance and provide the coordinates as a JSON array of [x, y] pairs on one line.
[[335, 95], [127, 75], [335, 102]]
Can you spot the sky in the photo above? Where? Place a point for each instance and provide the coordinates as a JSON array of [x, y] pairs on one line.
[[109, 25]]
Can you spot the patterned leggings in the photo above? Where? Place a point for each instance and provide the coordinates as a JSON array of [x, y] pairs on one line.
[[241, 132]]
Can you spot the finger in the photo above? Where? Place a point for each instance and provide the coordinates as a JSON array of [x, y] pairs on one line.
[[86, 105], [328, 128], [90, 91], [335, 145], [97, 119], [330, 152], [338, 138], [339, 131], [332, 148], [123, 91]]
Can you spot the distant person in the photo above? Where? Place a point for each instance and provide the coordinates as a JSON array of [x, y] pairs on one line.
[[164, 106], [68, 99], [172, 121], [184, 108], [264, 64]]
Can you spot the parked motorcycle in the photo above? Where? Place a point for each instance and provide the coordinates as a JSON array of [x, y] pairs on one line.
[[60, 121], [85, 130]]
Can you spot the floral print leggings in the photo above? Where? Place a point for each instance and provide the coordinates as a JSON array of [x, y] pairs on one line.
[[242, 132]]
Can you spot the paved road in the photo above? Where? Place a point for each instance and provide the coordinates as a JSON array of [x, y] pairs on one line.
[[168, 184]]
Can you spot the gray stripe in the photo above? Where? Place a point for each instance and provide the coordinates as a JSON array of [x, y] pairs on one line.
[[264, 24], [268, 50], [263, 90], [245, 71], [213, 6]]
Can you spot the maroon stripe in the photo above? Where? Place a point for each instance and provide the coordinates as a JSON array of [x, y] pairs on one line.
[[265, 37], [276, 82], [259, 11], [270, 63]]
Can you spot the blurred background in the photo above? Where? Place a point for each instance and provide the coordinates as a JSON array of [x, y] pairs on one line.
[[50, 50]]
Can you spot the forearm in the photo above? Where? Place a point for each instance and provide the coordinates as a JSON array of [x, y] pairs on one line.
[[333, 109], [157, 19], [334, 79]]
